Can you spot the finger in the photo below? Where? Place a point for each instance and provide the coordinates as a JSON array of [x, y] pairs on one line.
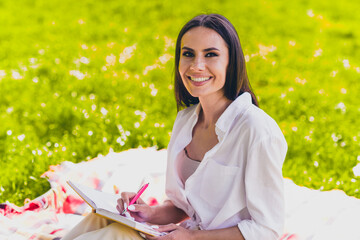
[[120, 205], [168, 228], [126, 196]]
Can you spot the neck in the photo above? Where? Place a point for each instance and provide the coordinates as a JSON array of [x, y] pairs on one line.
[[212, 108]]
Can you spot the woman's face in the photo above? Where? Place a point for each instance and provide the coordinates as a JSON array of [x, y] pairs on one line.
[[204, 58]]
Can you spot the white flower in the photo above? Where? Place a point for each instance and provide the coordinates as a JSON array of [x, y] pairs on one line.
[[356, 170], [84, 60]]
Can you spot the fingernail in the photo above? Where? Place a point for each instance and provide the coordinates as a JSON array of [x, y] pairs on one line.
[[155, 227], [131, 208], [142, 235], [125, 205]]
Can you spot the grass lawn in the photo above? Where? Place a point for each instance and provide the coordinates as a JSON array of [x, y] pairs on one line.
[[79, 78]]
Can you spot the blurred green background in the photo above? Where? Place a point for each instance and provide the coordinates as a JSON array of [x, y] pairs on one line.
[[79, 78]]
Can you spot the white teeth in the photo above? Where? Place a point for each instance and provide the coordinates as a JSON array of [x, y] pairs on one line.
[[199, 79]]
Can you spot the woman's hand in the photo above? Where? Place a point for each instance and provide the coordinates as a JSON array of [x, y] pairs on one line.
[[175, 232], [140, 211]]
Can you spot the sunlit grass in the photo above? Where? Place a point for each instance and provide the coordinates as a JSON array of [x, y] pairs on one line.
[[80, 78]]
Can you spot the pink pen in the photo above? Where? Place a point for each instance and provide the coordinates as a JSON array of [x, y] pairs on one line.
[[136, 197]]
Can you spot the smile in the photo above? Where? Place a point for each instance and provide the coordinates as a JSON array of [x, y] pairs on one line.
[[200, 79]]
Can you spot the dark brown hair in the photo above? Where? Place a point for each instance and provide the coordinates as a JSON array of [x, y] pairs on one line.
[[237, 81]]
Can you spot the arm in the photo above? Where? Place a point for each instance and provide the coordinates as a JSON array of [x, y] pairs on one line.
[[167, 213]]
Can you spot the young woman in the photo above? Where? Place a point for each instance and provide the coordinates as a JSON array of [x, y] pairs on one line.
[[224, 171]]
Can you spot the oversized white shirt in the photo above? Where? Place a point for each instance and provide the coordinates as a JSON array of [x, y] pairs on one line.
[[239, 181]]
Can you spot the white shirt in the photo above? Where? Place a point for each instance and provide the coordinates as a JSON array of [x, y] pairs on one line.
[[239, 181]]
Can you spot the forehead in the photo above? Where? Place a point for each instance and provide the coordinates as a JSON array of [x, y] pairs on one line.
[[202, 38]]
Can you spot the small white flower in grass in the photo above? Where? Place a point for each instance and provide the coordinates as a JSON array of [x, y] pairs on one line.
[[10, 110], [153, 90], [35, 79], [21, 137], [333, 73], [104, 111], [150, 68], [84, 47], [346, 63], [310, 13], [2, 74], [265, 50], [247, 58], [127, 53], [358, 157], [308, 138], [84, 60], [41, 51], [90, 133], [292, 43], [81, 21], [56, 145], [316, 164], [294, 129], [341, 106], [137, 125], [110, 60], [353, 180], [311, 118], [104, 139], [32, 60], [120, 141], [63, 149], [358, 69], [93, 107], [343, 144], [334, 137], [39, 152], [9, 132], [76, 73], [356, 170], [16, 75], [343, 91], [165, 58], [318, 52]]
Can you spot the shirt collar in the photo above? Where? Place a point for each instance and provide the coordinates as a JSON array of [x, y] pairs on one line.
[[237, 107]]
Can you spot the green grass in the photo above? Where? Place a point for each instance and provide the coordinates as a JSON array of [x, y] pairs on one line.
[[303, 63]]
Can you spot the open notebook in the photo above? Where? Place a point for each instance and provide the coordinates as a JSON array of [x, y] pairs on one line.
[[104, 204]]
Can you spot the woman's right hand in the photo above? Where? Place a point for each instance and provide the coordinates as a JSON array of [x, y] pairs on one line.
[[140, 211]]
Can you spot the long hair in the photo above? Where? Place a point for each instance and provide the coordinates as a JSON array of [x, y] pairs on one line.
[[236, 82]]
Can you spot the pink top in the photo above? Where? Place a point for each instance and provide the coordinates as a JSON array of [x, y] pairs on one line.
[[187, 166]]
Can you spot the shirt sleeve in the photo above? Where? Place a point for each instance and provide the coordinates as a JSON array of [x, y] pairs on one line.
[[264, 189]]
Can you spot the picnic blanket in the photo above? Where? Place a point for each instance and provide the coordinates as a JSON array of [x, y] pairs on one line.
[[310, 214]]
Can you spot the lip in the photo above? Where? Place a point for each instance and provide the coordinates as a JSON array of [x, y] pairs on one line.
[[199, 80]]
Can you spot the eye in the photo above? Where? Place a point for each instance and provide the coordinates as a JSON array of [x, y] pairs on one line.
[[188, 54], [211, 54]]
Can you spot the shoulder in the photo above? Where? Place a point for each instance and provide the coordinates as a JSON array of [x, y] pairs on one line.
[[258, 125]]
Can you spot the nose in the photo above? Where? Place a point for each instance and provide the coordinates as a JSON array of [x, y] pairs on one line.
[[198, 64]]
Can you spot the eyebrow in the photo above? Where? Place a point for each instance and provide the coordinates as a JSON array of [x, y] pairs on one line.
[[204, 50]]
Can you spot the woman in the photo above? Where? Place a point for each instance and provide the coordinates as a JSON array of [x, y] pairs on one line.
[[225, 156]]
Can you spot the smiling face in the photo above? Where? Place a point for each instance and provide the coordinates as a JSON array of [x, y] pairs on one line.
[[203, 62]]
